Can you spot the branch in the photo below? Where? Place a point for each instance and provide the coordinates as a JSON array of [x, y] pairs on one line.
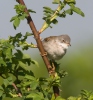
[[37, 38], [15, 87], [39, 45], [56, 91]]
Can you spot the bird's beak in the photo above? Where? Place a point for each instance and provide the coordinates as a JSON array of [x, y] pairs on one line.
[[68, 44]]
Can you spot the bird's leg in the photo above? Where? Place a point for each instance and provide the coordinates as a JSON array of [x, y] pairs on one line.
[[53, 65], [45, 54]]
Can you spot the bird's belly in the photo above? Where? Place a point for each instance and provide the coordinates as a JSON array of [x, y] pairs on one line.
[[56, 53], [54, 50]]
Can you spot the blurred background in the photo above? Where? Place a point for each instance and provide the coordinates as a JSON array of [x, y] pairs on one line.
[[78, 61]]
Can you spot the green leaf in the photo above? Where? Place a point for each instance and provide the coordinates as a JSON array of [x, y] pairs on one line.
[[26, 56], [25, 84], [8, 52], [28, 34], [13, 18], [69, 11], [34, 85], [77, 10], [19, 8], [63, 14], [48, 10], [54, 21], [60, 98], [87, 95], [18, 35], [30, 10], [56, 1], [22, 65], [47, 14], [2, 61], [70, 1], [18, 54], [73, 98], [30, 77], [21, 17], [35, 62], [1, 93], [25, 15], [36, 96], [8, 81], [16, 23], [1, 88]]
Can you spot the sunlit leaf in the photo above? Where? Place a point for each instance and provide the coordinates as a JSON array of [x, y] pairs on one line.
[[69, 11], [35, 62], [2, 61], [34, 85], [56, 1], [26, 56], [35, 96], [30, 10], [22, 17], [48, 10], [77, 10], [8, 52], [13, 18], [73, 98], [22, 65], [30, 77], [28, 34], [6, 82], [16, 23], [70, 1]]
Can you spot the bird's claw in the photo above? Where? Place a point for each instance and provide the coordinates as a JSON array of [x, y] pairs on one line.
[[45, 54]]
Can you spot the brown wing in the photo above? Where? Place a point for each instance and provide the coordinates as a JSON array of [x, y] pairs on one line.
[[49, 38]]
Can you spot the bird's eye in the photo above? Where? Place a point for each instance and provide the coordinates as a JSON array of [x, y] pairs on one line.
[[63, 40]]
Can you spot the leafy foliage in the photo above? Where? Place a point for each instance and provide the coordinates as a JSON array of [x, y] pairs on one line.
[[13, 62], [51, 15], [20, 83], [14, 69], [21, 15]]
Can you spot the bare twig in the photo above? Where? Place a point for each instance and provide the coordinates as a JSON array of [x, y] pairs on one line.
[[15, 87]]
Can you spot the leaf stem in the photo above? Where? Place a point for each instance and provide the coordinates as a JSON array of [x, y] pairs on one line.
[[55, 15]]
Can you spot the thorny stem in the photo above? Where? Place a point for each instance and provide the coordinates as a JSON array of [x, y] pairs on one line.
[[55, 15], [39, 44]]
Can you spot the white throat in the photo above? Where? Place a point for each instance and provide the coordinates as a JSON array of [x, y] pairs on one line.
[[64, 45]]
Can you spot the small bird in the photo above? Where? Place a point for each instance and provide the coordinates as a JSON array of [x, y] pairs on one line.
[[56, 46]]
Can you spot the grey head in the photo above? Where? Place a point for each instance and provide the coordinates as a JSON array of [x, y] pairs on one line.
[[64, 39]]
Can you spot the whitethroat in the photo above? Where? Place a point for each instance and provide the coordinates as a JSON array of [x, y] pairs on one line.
[[56, 46]]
